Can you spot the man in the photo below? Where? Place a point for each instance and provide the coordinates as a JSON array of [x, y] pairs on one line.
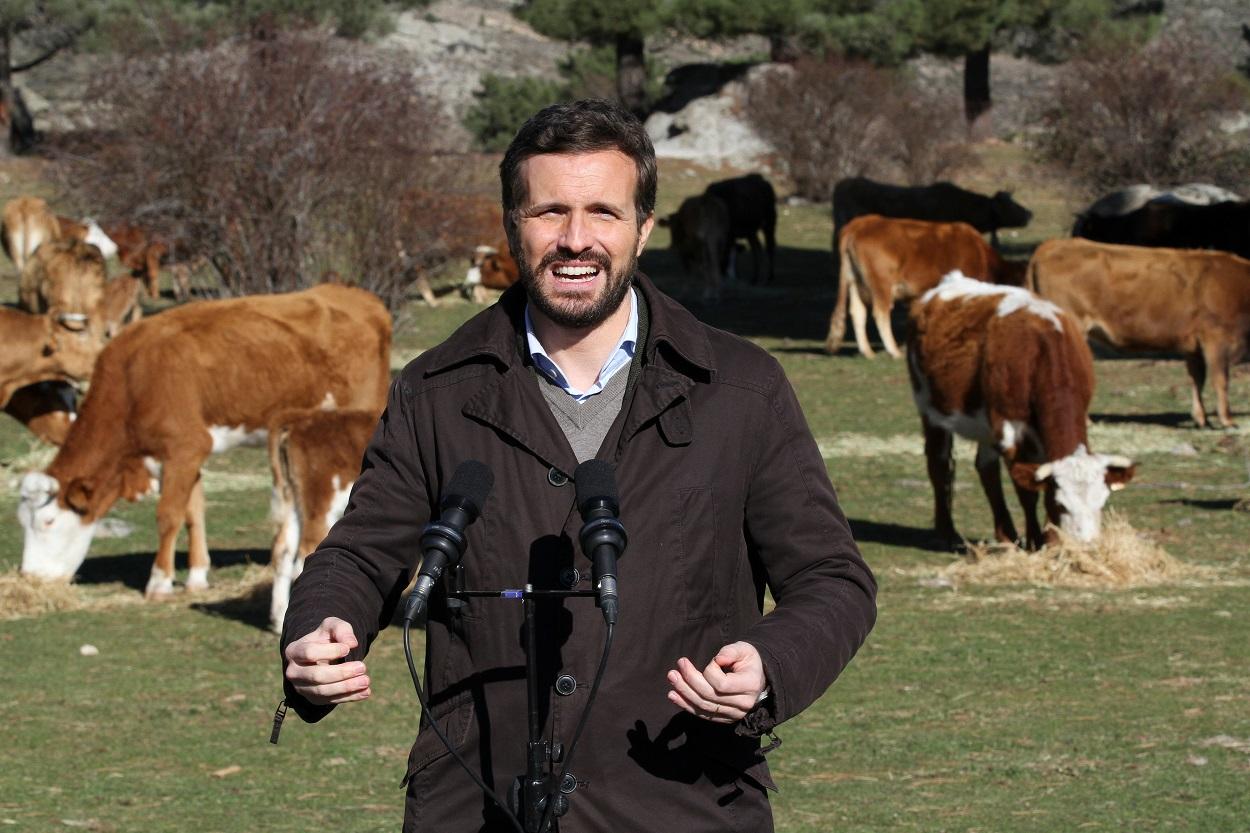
[[722, 490]]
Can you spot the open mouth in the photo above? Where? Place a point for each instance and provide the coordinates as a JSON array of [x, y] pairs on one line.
[[575, 274]]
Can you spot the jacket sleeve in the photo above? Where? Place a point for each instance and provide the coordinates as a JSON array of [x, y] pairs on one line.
[[362, 567], [825, 594]]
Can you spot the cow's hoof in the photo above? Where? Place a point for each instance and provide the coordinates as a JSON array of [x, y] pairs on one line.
[[197, 580], [158, 592]]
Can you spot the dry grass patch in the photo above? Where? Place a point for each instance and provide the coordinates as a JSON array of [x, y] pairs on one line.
[[1120, 558], [23, 597]]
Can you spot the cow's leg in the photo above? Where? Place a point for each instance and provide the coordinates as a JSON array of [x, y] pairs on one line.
[[881, 309], [1218, 362], [197, 539], [991, 482], [1197, 367], [770, 244], [178, 480], [757, 254], [938, 444], [837, 321], [859, 320], [1033, 537]]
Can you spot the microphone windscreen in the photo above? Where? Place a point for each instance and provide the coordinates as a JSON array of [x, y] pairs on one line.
[[471, 481], [595, 479]]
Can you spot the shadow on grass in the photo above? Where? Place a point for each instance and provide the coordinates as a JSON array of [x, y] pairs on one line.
[[1222, 505], [133, 569], [251, 608], [896, 535], [1167, 420]]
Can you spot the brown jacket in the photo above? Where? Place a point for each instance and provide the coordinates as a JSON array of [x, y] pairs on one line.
[[723, 493]]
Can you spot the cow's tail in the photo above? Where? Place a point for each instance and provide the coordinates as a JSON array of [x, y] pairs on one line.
[[844, 268]]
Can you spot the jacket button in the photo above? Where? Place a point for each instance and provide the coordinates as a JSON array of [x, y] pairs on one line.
[[556, 477], [565, 685], [570, 576], [568, 783]]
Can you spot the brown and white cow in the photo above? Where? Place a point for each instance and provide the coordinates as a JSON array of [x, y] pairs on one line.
[[700, 236], [491, 267], [1011, 371], [883, 260], [315, 457], [27, 224], [1134, 298], [66, 279], [176, 387]]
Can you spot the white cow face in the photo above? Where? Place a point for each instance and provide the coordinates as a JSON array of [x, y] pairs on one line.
[[1082, 483], [56, 538]]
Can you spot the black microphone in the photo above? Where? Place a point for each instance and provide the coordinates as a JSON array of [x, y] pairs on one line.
[[442, 541], [602, 536]]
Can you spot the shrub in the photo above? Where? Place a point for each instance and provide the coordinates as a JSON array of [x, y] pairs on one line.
[[277, 159], [830, 119], [1149, 113], [503, 104]]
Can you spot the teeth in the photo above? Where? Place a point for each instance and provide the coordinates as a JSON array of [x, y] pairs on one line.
[[575, 271]]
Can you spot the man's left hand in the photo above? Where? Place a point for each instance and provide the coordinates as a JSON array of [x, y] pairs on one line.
[[725, 690]]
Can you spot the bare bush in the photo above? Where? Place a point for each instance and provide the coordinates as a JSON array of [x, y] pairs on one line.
[[1145, 114], [278, 159], [831, 119]]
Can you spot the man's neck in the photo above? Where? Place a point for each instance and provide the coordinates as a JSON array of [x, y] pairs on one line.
[[581, 353]]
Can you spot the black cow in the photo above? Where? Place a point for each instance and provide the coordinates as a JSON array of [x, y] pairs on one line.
[[1224, 226], [752, 205], [940, 202]]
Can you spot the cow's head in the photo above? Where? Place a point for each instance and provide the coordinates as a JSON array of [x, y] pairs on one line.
[[1077, 487], [1008, 212], [56, 536]]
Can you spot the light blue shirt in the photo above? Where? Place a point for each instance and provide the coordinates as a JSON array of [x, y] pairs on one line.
[[620, 357]]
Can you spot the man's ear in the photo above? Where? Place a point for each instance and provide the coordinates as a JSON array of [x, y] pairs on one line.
[[78, 495]]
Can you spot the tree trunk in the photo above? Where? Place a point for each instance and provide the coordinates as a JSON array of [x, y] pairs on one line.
[[977, 102], [15, 119], [783, 48], [631, 74]]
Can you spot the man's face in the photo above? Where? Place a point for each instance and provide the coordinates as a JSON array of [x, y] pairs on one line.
[[579, 235]]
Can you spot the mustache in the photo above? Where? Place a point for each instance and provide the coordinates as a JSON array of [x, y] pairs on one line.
[[600, 259]]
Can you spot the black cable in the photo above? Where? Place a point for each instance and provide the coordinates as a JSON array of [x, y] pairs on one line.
[[425, 715], [581, 724]]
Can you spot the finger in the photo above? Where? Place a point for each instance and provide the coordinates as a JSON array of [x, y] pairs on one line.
[[339, 631], [323, 674], [352, 698], [692, 686], [716, 713], [329, 691], [310, 652], [728, 684]]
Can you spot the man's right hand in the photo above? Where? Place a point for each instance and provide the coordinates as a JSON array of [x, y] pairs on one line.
[[311, 673]]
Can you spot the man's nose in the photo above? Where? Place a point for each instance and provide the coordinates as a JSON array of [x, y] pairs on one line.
[[575, 236]]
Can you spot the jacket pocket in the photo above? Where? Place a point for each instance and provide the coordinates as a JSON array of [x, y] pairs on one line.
[[454, 718], [696, 522]]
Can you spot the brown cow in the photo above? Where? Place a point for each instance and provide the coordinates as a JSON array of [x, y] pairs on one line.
[[66, 279], [491, 267], [884, 260], [135, 247], [1132, 298], [193, 380], [315, 457], [1011, 371], [27, 224], [700, 236], [36, 350]]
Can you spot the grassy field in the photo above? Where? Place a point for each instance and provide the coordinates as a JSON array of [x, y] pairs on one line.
[[971, 708]]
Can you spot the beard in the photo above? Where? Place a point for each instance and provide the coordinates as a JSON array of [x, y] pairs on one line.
[[579, 313]]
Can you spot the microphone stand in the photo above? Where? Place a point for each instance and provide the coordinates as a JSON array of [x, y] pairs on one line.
[[531, 792]]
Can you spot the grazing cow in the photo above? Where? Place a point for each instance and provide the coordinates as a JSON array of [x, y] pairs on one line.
[[940, 202], [1174, 225], [884, 259], [120, 305], [193, 380], [37, 350], [47, 409], [27, 223], [700, 236], [315, 457], [137, 250], [491, 267], [88, 231], [1193, 302], [65, 279], [1011, 371], [752, 205], [1119, 203]]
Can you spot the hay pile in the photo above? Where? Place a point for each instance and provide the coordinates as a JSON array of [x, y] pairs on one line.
[[22, 596], [1120, 557]]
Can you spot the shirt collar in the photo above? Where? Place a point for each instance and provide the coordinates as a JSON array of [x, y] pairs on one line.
[[618, 358]]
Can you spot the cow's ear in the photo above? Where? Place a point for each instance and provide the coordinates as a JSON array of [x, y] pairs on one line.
[[1029, 476], [78, 495], [1118, 476]]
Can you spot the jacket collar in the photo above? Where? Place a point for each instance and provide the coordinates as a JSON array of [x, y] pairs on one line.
[[495, 334]]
